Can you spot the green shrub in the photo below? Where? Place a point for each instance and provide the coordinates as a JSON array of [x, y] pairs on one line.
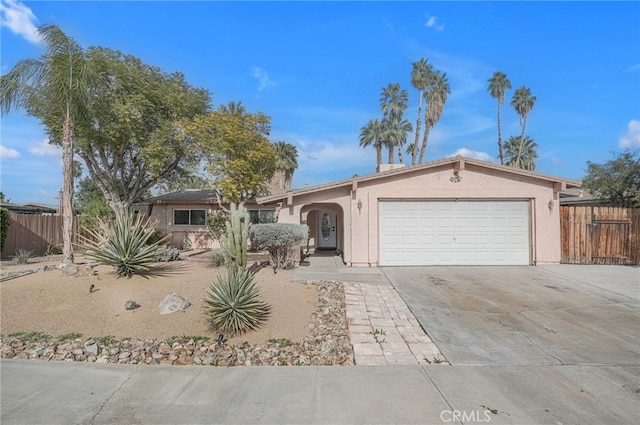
[[217, 224], [217, 259], [51, 249], [65, 337], [22, 256], [29, 336], [123, 243], [166, 253], [280, 240], [234, 305], [4, 226]]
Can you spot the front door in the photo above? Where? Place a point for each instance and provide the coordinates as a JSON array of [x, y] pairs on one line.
[[326, 230]]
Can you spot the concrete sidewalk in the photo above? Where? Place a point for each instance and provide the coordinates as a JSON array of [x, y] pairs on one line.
[[326, 266], [35, 392]]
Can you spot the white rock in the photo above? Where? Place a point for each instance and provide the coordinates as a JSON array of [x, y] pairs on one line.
[[173, 303]]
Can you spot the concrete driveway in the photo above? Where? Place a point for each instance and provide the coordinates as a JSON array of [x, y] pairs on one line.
[[549, 315]]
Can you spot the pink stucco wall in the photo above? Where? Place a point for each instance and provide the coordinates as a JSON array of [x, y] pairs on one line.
[[359, 234], [197, 236]]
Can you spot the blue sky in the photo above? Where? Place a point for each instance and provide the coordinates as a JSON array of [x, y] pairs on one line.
[[317, 68]]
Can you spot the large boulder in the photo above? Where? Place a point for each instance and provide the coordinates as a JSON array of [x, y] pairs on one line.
[[173, 303]]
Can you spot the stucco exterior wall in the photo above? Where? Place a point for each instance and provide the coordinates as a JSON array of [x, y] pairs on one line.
[[360, 226], [196, 236]]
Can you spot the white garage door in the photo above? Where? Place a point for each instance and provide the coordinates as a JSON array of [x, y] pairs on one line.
[[423, 233]]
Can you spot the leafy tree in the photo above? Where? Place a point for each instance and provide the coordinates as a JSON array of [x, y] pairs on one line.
[[521, 152], [132, 137], [239, 156], [522, 101], [3, 200], [185, 179], [420, 80], [617, 180], [91, 204], [371, 135], [286, 161], [53, 88], [5, 222], [436, 96], [498, 84]]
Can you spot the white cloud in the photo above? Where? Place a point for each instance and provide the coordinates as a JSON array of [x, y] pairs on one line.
[[483, 156], [19, 19], [8, 153], [634, 68], [44, 148], [432, 22], [631, 139], [263, 79]]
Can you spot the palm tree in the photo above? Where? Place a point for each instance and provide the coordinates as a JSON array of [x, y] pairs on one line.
[[371, 135], [286, 162], [393, 102], [521, 153], [522, 102], [498, 84], [436, 96], [54, 84], [419, 80], [235, 109], [396, 133]]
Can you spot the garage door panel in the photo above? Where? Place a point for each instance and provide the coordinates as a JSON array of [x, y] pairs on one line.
[[454, 232]]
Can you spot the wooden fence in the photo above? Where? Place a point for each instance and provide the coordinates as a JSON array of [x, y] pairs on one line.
[[35, 233], [600, 235]]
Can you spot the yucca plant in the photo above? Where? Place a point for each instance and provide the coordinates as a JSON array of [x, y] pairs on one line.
[[234, 303], [22, 256], [122, 243]]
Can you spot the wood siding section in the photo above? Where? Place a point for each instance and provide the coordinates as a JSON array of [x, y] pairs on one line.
[[600, 235]]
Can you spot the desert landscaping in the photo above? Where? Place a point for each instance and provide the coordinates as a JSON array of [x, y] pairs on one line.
[[51, 314]]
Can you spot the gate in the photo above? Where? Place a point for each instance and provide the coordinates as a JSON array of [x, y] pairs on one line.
[[609, 239], [600, 235]]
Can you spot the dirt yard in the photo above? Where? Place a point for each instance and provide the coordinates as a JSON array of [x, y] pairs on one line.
[[55, 304]]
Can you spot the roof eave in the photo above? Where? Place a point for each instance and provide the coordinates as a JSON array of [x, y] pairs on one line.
[[457, 160]]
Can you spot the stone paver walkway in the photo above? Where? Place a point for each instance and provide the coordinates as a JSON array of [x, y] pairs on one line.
[[383, 330]]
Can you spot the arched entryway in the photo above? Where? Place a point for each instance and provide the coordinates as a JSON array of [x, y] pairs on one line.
[[326, 226]]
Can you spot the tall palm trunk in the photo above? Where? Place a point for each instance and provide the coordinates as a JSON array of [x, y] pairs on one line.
[[424, 143], [399, 153], [67, 190], [414, 151], [521, 145], [379, 155], [500, 138], [67, 176], [390, 161]]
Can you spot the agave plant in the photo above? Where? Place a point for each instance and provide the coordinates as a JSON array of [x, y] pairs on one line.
[[22, 256], [123, 243], [234, 304]]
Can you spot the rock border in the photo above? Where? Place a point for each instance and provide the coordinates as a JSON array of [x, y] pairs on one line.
[[328, 343]]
